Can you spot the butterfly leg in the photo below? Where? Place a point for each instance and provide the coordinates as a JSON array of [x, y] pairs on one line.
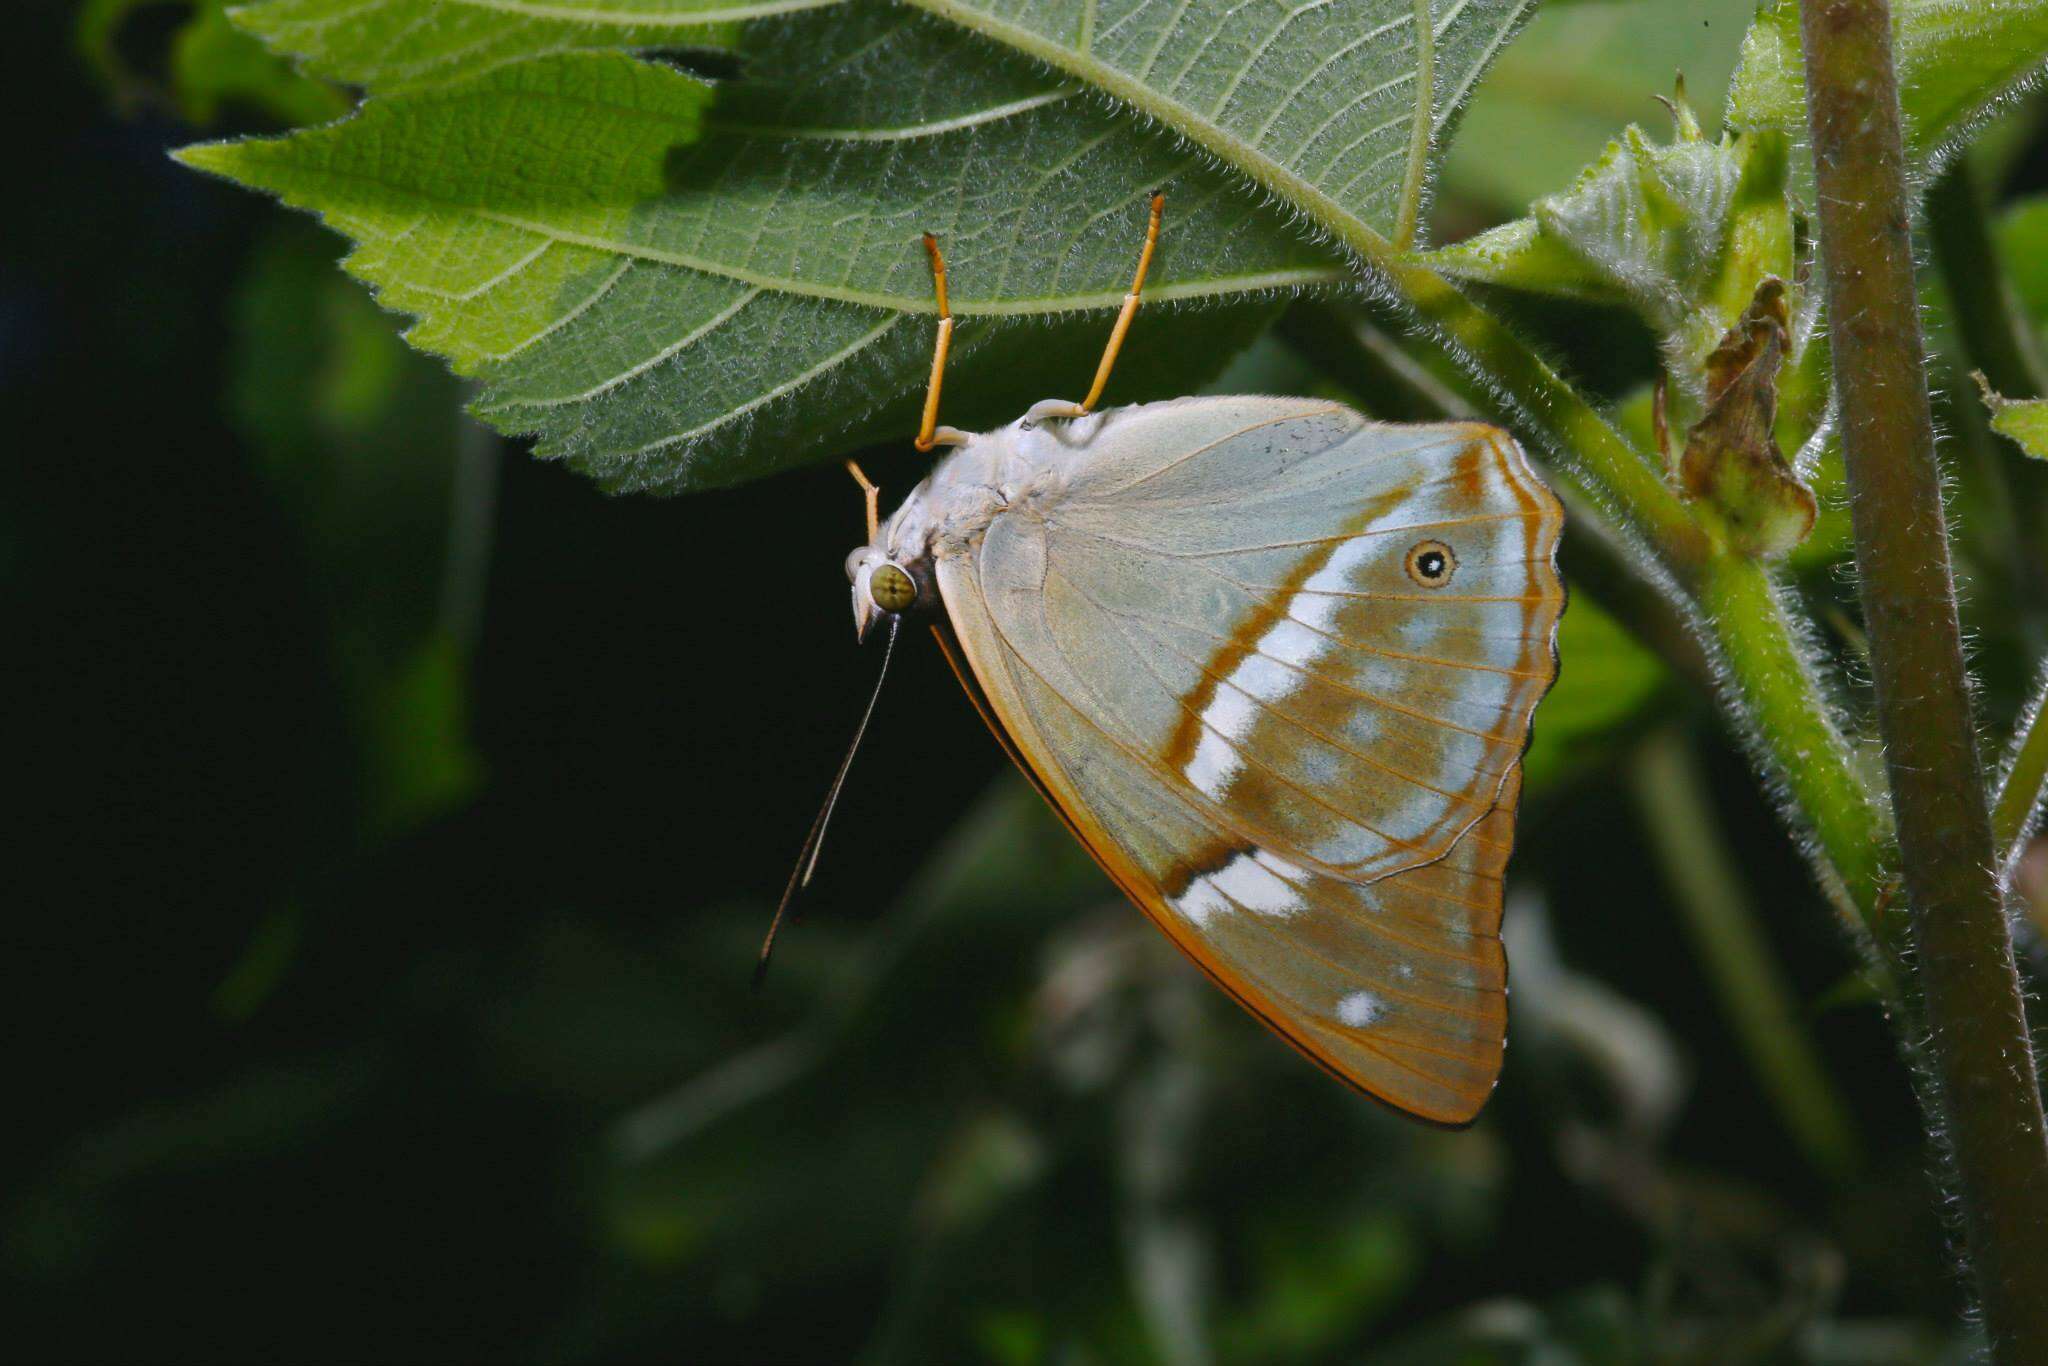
[[1130, 308], [873, 493], [1057, 407], [929, 432]]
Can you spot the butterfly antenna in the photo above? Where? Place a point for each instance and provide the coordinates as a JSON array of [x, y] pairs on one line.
[[814, 842]]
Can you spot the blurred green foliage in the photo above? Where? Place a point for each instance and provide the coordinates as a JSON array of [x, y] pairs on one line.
[[341, 415], [211, 64], [1956, 65], [422, 1032], [1565, 88]]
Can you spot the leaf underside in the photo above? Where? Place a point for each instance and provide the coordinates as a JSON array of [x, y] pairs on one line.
[[676, 283]]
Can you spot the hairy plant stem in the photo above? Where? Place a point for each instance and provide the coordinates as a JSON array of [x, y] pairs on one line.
[[1793, 727], [1770, 682], [1983, 1094]]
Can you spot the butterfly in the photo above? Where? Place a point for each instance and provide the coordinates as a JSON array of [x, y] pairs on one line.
[[1273, 665]]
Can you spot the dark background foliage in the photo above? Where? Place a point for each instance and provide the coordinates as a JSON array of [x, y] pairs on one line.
[[397, 817]]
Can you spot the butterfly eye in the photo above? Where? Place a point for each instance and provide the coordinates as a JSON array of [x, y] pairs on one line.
[[1431, 564], [891, 588]]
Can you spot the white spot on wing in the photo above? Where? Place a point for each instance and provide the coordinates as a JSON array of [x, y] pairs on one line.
[[1360, 1008], [1231, 712], [1314, 603], [1200, 901], [1256, 881], [1214, 765], [1267, 859], [1266, 679], [1255, 887], [1293, 643]]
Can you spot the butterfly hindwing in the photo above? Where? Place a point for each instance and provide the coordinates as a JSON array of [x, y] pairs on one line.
[[1295, 749]]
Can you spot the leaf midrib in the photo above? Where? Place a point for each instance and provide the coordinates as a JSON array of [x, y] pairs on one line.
[[899, 133], [579, 14], [1210, 287]]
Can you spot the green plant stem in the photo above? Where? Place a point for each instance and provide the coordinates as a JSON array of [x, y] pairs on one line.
[[1995, 336], [1738, 960], [1793, 726], [2021, 785], [1984, 1098]]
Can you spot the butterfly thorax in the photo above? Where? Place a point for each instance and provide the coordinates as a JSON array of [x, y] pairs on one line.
[[1017, 468], [1010, 468]]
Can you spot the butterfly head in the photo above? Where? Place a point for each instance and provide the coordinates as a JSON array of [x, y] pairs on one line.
[[882, 588]]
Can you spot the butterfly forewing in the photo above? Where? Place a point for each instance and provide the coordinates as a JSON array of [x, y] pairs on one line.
[[1291, 743]]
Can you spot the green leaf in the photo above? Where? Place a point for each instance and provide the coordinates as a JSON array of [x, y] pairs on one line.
[[647, 311], [2021, 421], [1318, 103], [736, 285], [1644, 225], [1572, 77], [391, 45], [1524, 255], [1957, 60]]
